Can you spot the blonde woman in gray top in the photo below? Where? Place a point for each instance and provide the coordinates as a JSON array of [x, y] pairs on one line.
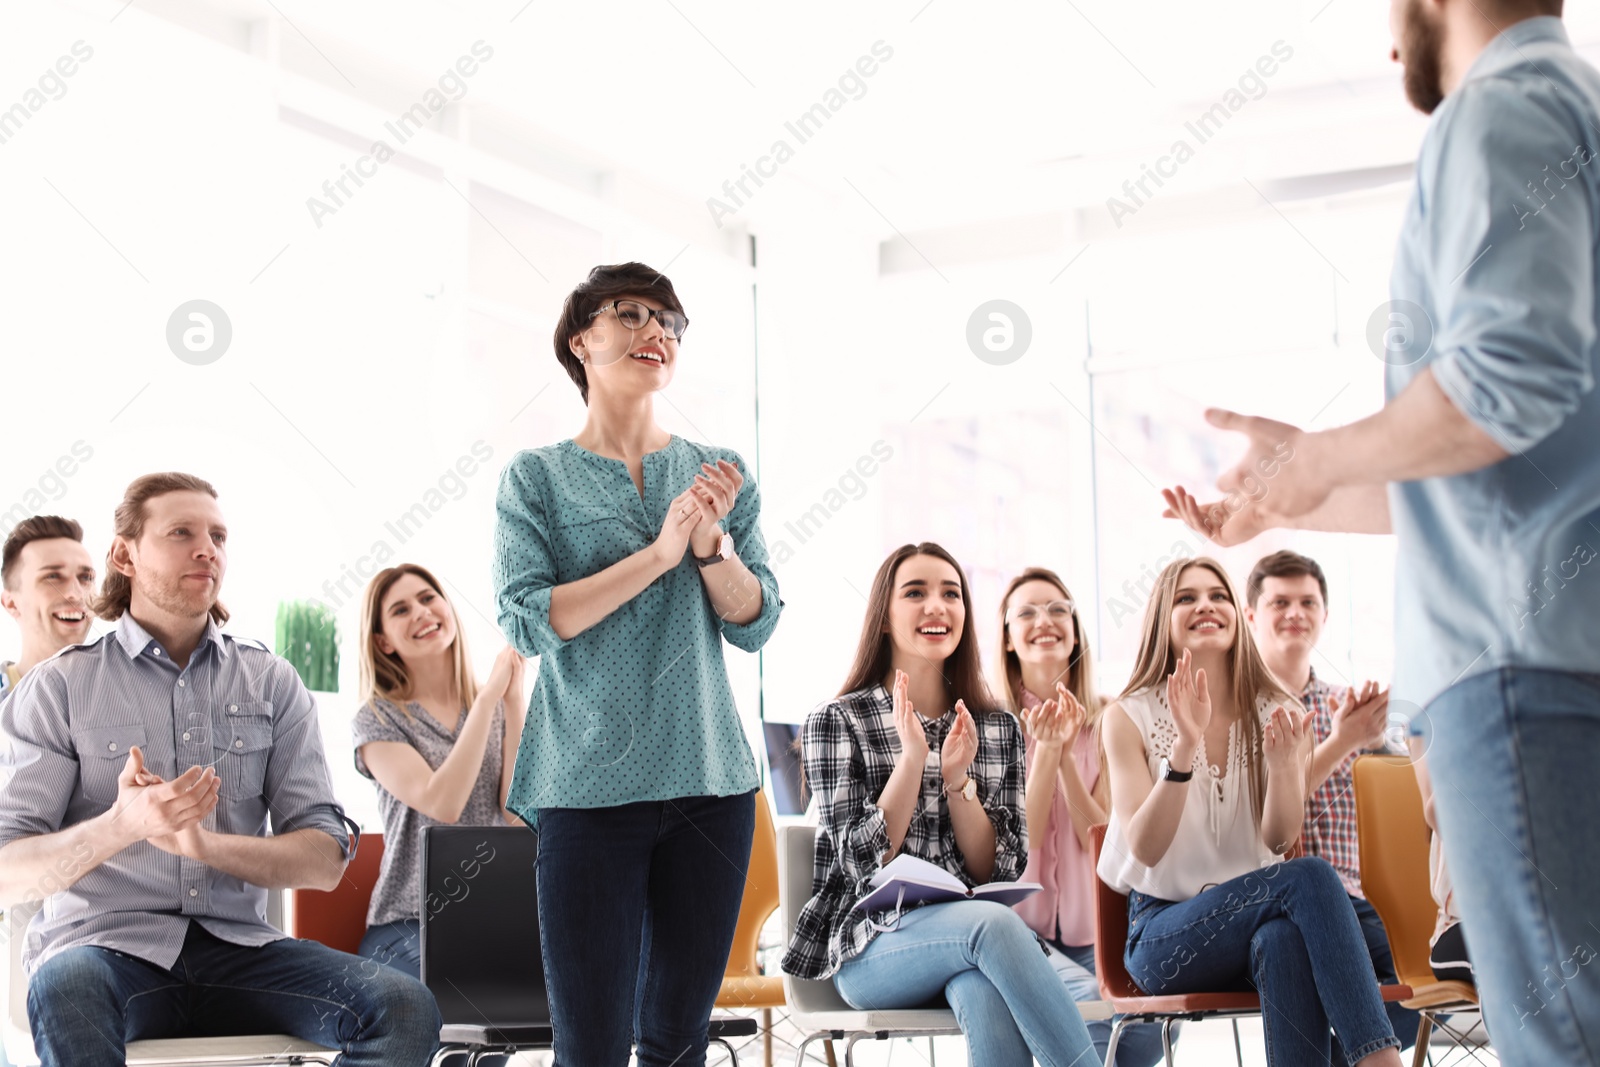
[[439, 746]]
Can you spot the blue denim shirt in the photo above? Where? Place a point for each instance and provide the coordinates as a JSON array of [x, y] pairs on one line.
[[234, 706], [1497, 567]]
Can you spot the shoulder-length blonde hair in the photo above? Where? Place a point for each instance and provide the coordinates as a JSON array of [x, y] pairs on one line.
[[116, 591], [1250, 676], [963, 670], [384, 676]]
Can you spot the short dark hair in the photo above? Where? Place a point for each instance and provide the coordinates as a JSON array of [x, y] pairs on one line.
[[1283, 564], [34, 528], [604, 284]]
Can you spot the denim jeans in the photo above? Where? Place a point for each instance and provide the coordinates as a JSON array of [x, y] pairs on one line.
[[397, 944], [1141, 1043], [86, 1003], [1402, 1020], [637, 909], [1288, 932], [991, 968], [1513, 756]]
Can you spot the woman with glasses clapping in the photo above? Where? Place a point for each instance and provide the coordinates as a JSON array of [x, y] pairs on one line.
[[1048, 679], [623, 558]]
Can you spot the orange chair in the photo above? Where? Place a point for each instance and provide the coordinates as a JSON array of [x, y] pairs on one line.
[[338, 918], [1392, 837], [744, 986], [1130, 1002]]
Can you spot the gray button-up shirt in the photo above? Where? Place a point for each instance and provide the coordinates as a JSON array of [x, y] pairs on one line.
[[71, 722]]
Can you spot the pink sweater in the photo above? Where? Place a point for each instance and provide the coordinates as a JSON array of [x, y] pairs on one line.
[[1061, 864]]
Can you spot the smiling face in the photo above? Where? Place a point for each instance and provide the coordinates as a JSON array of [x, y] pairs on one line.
[[1203, 613], [416, 621], [627, 359], [926, 612], [54, 585], [178, 561], [1288, 616], [1048, 638]]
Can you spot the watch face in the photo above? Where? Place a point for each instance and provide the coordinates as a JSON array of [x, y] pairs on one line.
[[970, 790]]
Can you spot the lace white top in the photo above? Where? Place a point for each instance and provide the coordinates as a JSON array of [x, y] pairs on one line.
[[1217, 838]]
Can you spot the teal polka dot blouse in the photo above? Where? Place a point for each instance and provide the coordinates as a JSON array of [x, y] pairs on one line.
[[637, 707]]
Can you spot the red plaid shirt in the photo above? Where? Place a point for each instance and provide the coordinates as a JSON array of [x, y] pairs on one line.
[[1330, 826]]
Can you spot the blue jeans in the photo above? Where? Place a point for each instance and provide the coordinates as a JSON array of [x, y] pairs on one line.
[[1141, 1043], [981, 958], [637, 909], [1288, 932], [1402, 1020], [1513, 756], [397, 944], [86, 1003]]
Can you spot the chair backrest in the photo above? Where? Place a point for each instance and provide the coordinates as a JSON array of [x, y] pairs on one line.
[[480, 925], [1110, 931], [338, 918], [761, 894], [797, 855], [1392, 837]]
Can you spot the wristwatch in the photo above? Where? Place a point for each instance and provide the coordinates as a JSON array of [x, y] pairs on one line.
[[968, 790], [724, 551], [1170, 775]]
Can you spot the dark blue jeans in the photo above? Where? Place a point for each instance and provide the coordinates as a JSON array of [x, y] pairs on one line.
[[1513, 754], [86, 1003], [1402, 1020], [397, 944], [1288, 932], [637, 909]]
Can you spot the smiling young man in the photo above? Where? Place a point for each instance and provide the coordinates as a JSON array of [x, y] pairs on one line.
[[1286, 606], [1483, 464], [46, 584], [159, 781]]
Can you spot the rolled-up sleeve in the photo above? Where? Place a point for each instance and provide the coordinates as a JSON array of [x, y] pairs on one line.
[[297, 787], [524, 572], [1514, 266], [744, 525], [847, 812], [38, 761]]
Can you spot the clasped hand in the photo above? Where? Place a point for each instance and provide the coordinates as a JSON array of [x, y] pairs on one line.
[[166, 814], [693, 516]]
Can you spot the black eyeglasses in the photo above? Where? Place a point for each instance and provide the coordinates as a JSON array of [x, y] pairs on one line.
[[635, 316]]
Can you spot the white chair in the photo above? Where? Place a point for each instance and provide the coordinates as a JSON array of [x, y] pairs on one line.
[[816, 1007], [256, 1051]]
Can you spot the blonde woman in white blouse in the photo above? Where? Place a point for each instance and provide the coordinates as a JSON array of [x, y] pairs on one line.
[[1207, 756]]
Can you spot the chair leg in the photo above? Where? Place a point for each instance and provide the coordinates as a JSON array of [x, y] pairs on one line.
[[1238, 1049], [733, 1057], [766, 1035], [1419, 1054], [827, 1048], [1166, 1039], [1118, 1024]]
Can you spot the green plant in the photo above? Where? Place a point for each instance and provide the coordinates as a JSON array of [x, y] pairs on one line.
[[307, 635]]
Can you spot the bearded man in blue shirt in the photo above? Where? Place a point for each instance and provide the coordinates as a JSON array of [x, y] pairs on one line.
[[1485, 462]]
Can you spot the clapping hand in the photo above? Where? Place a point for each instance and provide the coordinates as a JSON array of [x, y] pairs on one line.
[[960, 747], [714, 491], [1361, 718], [907, 723], [167, 814], [1189, 701], [1284, 737]]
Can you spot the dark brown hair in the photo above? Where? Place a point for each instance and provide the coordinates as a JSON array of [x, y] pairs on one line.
[[116, 592], [1284, 564], [963, 670], [383, 674], [604, 284], [34, 528]]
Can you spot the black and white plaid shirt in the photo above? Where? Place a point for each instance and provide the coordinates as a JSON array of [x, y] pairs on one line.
[[850, 748]]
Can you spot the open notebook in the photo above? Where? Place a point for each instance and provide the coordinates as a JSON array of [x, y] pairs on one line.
[[907, 880]]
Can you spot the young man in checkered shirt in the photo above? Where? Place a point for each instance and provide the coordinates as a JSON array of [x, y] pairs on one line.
[[1286, 606]]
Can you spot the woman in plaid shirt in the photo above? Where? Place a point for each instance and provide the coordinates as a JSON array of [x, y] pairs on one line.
[[899, 762]]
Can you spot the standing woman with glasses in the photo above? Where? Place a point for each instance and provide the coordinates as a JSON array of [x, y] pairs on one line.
[[1049, 685], [623, 558]]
